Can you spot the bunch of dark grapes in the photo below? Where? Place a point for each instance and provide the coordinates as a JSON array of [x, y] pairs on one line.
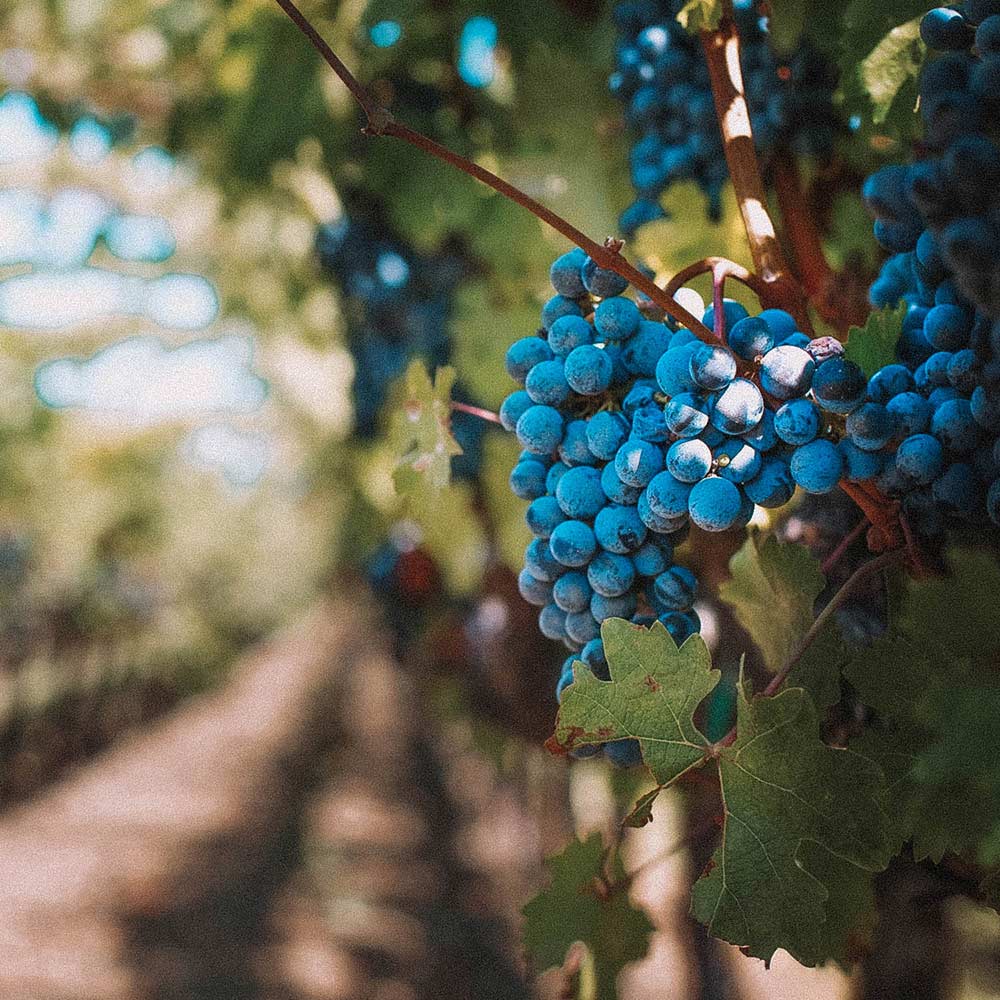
[[397, 305], [939, 217], [662, 79], [633, 429], [946, 205]]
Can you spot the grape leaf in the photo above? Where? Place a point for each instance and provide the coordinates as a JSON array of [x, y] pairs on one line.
[[422, 430], [573, 909], [652, 695], [700, 15], [892, 63], [772, 590], [781, 786], [959, 614], [873, 346]]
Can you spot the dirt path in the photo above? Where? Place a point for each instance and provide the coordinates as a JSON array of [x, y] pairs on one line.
[[109, 879]]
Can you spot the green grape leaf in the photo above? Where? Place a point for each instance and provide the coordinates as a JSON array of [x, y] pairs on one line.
[[772, 590], [573, 908], [959, 614], [781, 785], [895, 61], [873, 346], [422, 431], [700, 15], [651, 697]]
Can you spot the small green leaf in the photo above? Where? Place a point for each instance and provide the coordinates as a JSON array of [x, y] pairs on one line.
[[873, 346], [642, 812], [422, 431], [891, 64], [651, 697], [772, 590], [700, 15], [781, 785], [574, 908]]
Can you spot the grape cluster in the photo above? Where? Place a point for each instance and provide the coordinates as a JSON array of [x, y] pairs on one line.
[[946, 205], [397, 305], [939, 217], [632, 429], [662, 78]]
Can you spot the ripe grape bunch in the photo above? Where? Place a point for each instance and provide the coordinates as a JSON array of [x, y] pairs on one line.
[[662, 78], [397, 307], [938, 216], [633, 429]]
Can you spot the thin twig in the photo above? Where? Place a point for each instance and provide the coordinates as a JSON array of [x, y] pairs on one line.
[[875, 565], [381, 122], [722, 55], [475, 411], [845, 543], [710, 265]]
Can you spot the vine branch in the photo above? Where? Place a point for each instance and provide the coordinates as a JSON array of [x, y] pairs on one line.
[[380, 121], [722, 55], [876, 565], [475, 411]]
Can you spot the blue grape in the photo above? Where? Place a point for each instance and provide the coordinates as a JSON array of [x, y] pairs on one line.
[[546, 383], [616, 318], [527, 479], [611, 574], [689, 460], [644, 349], [615, 490], [667, 497], [751, 338], [860, 465], [579, 493], [574, 449], [543, 515], [737, 461], [573, 543], [572, 592], [512, 408], [786, 372], [552, 622], [567, 333], [798, 421], [954, 426], [652, 558], [602, 607], [686, 415], [732, 313], [673, 370], [871, 426], [712, 367], [773, 486], [524, 354], [619, 529], [637, 462], [533, 590], [675, 589], [912, 413], [919, 458], [540, 562], [556, 471], [601, 282], [557, 307], [839, 385], [888, 383], [588, 370], [540, 429], [565, 273], [582, 627], [738, 408], [817, 466], [606, 433], [715, 504]]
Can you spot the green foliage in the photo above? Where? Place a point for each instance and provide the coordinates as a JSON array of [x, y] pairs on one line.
[[700, 15], [895, 61], [586, 902], [421, 431], [874, 345], [652, 696], [772, 590], [780, 786]]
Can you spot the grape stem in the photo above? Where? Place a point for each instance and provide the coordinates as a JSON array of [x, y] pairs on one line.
[[720, 268], [380, 122], [722, 55], [818, 279], [876, 565], [475, 411], [843, 545]]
